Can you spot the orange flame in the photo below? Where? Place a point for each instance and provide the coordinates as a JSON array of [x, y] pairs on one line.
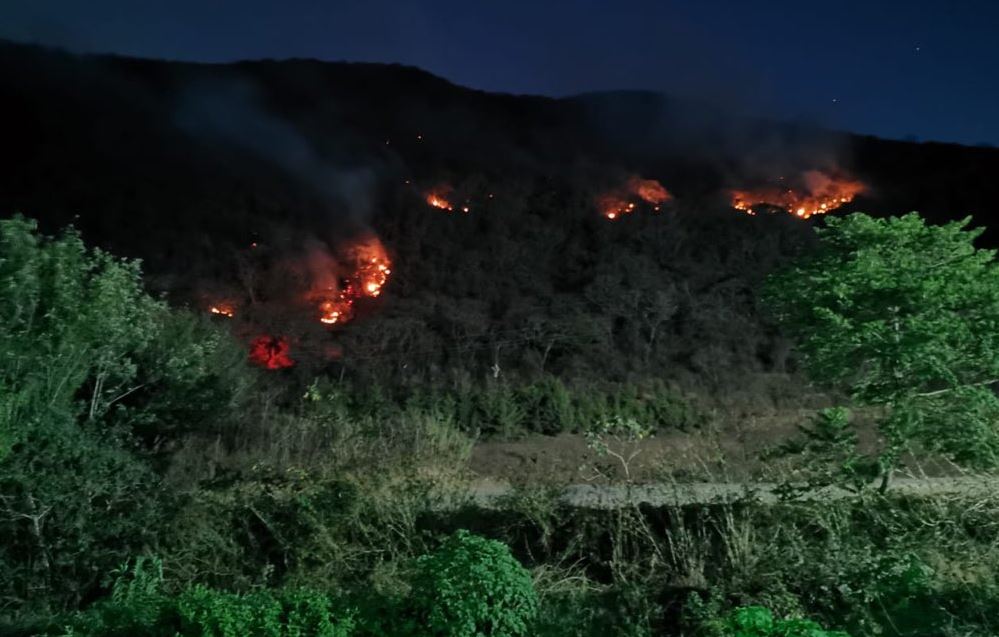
[[438, 199], [821, 193], [613, 205], [620, 202], [649, 190], [223, 310], [371, 268]]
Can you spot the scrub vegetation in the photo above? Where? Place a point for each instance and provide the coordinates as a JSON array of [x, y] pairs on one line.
[[153, 483]]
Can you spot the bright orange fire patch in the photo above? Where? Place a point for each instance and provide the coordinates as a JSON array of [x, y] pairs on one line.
[[370, 270], [820, 193], [622, 201], [223, 309]]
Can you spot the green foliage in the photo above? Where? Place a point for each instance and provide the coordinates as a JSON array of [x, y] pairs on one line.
[[89, 361], [749, 621], [625, 611], [618, 438], [903, 316], [470, 586], [75, 504], [308, 614], [755, 621], [138, 608], [194, 376], [546, 406], [268, 528], [211, 613], [829, 443], [71, 322]]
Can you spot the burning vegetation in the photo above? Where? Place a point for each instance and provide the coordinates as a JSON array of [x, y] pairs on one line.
[[316, 284], [441, 198], [271, 352], [369, 270], [818, 194], [332, 282], [223, 309], [437, 200], [622, 201]]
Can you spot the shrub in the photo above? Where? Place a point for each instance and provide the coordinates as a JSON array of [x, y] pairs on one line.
[[470, 586], [138, 608], [210, 613], [751, 621], [756, 621]]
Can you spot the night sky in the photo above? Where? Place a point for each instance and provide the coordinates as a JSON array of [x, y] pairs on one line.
[[919, 69]]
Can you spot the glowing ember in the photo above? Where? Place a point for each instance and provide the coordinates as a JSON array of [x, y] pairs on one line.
[[270, 352], [821, 193], [335, 311], [621, 202], [223, 310], [613, 206], [371, 268]]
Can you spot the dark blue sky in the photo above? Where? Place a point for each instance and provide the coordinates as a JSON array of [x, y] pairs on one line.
[[920, 68]]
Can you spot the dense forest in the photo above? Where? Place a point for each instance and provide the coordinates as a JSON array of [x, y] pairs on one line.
[[236, 183]]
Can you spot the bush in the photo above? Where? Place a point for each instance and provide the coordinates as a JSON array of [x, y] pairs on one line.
[[756, 621], [751, 621], [470, 586], [138, 608]]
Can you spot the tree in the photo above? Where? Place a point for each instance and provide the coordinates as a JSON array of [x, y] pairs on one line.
[[905, 318], [89, 365]]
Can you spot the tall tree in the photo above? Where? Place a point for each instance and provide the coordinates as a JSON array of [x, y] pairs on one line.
[[903, 316]]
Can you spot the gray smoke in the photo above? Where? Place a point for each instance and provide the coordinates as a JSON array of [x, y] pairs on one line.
[[232, 112]]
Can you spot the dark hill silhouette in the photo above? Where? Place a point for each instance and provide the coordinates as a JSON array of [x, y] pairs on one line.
[[187, 165]]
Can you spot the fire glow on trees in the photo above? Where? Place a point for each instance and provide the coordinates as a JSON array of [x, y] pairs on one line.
[[820, 193], [620, 202], [271, 352], [370, 270]]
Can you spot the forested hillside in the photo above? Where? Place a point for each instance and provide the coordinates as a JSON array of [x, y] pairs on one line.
[[258, 188]]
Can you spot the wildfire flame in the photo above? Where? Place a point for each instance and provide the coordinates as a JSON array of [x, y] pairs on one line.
[[621, 202], [613, 206], [271, 352], [438, 198], [821, 193], [223, 310], [649, 190], [371, 268]]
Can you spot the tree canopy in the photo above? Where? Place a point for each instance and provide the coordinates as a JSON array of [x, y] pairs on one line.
[[904, 316]]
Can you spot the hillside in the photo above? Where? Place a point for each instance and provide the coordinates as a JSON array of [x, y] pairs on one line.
[[268, 190]]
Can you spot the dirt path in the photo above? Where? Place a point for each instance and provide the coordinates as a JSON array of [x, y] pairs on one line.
[[493, 494]]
